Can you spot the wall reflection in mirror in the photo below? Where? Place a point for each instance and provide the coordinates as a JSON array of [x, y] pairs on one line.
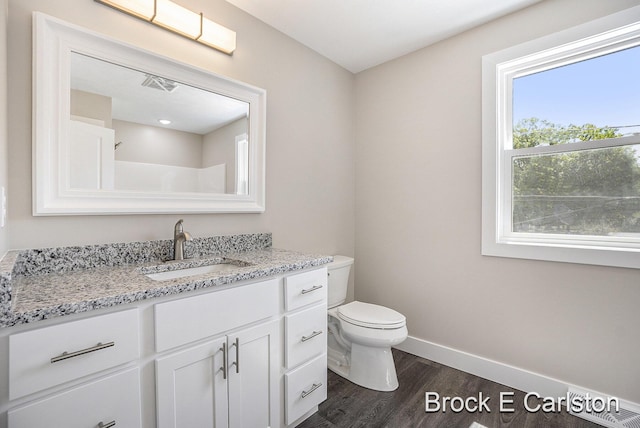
[[135, 131]]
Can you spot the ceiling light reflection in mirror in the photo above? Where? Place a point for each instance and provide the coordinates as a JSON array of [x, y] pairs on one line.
[[118, 141]]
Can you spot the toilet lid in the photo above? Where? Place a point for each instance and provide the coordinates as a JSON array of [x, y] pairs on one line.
[[371, 316]]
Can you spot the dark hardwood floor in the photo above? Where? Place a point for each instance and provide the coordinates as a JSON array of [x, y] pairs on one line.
[[349, 405]]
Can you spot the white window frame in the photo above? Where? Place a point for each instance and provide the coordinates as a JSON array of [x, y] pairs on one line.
[[593, 39]]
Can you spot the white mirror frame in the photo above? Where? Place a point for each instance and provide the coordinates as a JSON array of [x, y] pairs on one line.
[[54, 40]]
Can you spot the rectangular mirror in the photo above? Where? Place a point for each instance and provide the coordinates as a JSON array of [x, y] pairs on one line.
[[119, 130]]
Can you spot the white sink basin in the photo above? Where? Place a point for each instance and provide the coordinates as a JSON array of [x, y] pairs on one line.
[[181, 273]]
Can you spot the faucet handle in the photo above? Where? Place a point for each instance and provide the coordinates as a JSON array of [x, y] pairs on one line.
[[178, 227]]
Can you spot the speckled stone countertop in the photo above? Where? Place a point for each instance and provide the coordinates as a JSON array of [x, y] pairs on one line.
[[47, 283]]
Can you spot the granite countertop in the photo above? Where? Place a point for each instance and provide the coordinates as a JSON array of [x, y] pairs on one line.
[[47, 283]]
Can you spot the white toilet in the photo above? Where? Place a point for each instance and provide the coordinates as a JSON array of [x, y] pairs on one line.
[[361, 334]]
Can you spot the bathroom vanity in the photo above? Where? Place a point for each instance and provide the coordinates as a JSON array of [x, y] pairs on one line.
[[213, 332], [101, 336]]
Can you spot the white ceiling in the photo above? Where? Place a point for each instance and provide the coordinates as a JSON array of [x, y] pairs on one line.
[[359, 34], [190, 109]]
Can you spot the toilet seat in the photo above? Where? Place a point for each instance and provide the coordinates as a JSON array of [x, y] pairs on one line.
[[371, 316]]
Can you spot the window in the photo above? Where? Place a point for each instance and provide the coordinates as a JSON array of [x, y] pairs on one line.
[[561, 146]]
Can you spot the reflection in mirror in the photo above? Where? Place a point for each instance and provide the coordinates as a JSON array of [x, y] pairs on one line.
[[100, 148], [135, 131]]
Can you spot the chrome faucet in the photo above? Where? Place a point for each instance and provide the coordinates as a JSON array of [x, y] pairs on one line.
[[179, 238]]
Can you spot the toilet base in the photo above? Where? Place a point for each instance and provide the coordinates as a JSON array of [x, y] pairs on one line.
[[369, 367], [338, 362]]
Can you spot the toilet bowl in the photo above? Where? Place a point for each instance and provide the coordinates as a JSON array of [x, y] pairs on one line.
[[361, 334]]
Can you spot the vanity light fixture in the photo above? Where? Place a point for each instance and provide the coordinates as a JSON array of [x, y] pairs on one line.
[[180, 20], [177, 18], [144, 9]]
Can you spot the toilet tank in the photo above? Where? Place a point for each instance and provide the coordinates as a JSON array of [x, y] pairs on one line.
[[338, 279]]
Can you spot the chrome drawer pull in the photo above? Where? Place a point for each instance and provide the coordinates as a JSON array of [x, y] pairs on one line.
[[311, 336], [237, 362], [107, 425], [313, 388], [309, 290], [67, 355], [224, 360]]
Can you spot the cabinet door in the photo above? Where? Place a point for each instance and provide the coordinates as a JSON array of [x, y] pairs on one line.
[[254, 398], [191, 387]]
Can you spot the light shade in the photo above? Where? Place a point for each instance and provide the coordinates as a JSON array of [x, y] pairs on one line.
[[217, 36], [177, 18], [141, 8]]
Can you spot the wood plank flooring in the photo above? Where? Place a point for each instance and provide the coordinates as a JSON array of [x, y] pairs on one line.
[[349, 405]]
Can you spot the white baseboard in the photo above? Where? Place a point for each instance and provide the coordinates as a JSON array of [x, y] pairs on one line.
[[504, 374], [512, 377]]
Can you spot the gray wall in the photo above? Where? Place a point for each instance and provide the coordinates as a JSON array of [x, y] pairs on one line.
[[310, 133], [92, 106], [4, 161], [155, 144], [219, 147], [415, 191], [418, 221]]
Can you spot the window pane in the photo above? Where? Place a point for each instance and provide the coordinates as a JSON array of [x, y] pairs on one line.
[[591, 99], [589, 192]]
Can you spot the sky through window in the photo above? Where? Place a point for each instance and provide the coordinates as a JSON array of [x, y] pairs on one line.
[[604, 91]]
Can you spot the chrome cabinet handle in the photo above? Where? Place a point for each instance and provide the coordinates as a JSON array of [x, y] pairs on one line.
[[309, 290], [313, 388], [311, 336], [237, 362], [224, 360], [66, 355], [107, 425]]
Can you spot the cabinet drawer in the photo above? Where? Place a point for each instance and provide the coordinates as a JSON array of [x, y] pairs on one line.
[[112, 399], [186, 320], [37, 358], [305, 288], [305, 388], [306, 335]]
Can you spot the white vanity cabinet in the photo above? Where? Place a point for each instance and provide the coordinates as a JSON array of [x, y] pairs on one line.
[[106, 402], [53, 356], [233, 380], [305, 377], [191, 386], [227, 381], [46, 357], [251, 354]]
